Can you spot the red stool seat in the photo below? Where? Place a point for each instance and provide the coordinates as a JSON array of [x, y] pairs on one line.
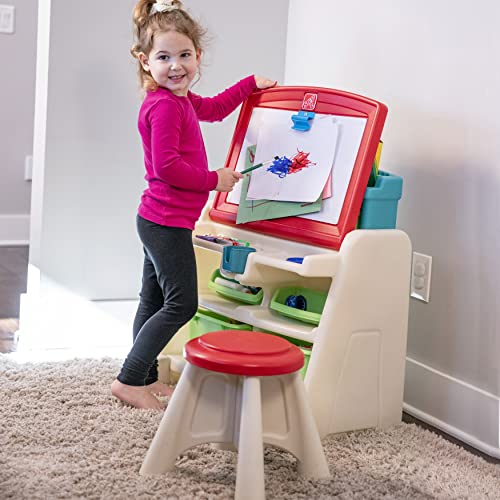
[[240, 352]]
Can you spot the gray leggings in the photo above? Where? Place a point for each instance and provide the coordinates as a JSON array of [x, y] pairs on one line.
[[168, 298]]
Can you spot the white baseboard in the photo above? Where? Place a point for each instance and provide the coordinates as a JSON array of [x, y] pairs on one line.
[[467, 413], [14, 230]]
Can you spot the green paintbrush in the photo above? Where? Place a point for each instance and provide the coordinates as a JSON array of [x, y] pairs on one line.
[[253, 167]]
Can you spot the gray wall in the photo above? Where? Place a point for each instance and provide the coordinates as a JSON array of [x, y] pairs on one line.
[[435, 65], [17, 96], [88, 160]]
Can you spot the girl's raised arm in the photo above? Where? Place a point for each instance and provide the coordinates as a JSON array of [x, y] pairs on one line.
[[211, 109]]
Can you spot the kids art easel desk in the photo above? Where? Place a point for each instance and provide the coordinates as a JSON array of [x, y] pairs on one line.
[[356, 371]]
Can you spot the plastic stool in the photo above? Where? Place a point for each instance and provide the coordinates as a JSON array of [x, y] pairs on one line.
[[241, 388]]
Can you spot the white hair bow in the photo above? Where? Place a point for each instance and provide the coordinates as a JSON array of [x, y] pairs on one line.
[[162, 6]]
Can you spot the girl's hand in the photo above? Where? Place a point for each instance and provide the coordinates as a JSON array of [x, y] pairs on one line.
[[264, 83], [227, 179]]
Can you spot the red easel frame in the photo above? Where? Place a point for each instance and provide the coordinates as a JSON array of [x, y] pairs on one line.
[[329, 101]]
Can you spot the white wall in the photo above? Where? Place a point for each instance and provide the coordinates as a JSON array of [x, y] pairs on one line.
[[17, 96], [88, 159], [435, 64], [242, 41], [87, 172]]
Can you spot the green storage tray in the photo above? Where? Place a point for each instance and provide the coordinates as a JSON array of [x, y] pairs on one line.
[[305, 347], [229, 293], [315, 303], [307, 356], [205, 321]]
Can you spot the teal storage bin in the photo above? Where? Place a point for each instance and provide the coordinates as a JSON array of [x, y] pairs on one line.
[[380, 204]]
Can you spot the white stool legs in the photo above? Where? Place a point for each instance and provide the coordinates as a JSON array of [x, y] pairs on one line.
[[198, 412], [309, 450], [250, 472], [212, 407]]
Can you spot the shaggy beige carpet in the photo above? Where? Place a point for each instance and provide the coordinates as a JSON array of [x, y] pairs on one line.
[[62, 436]]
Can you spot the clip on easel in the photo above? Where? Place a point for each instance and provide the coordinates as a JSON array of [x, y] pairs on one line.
[[302, 118]]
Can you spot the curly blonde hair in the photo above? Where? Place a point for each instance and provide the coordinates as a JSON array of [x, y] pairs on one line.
[[147, 25]]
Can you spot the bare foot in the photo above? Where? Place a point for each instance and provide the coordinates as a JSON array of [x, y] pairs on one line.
[[136, 396], [159, 389]]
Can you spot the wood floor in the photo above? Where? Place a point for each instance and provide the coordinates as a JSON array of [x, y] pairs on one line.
[[8, 327], [13, 277]]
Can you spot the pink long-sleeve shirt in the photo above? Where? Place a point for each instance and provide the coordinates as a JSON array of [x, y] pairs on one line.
[[174, 152]]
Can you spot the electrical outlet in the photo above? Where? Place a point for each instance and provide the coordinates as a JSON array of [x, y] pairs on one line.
[[28, 168], [7, 15], [421, 276]]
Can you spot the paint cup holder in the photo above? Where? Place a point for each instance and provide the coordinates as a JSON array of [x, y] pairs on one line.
[[234, 259]]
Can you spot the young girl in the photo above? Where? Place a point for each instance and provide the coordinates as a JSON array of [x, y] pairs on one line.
[[168, 48]]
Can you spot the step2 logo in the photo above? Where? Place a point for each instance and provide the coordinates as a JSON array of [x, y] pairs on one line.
[[309, 101]]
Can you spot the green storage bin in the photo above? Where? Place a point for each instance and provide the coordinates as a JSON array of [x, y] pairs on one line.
[[307, 355], [209, 321], [305, 347], [315, 303], [229, 293]]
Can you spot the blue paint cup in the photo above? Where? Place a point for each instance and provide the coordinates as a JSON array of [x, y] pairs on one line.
[[234, 258]]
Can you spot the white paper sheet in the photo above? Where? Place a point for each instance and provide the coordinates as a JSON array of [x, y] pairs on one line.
[[351, 131], [277, 138], [350, 134]]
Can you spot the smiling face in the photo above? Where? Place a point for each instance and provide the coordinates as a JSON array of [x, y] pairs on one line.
[[172, 62]]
